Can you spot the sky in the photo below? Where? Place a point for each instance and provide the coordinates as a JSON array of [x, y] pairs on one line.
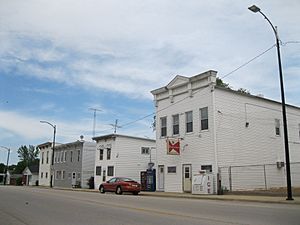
[[60, 58]]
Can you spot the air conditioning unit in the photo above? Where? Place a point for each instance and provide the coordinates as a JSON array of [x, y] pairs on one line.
[[279, 164]]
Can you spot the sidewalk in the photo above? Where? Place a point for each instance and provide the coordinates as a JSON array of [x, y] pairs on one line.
[[227, 197]]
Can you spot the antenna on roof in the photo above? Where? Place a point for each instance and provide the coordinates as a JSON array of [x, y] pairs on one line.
[[115, 126]]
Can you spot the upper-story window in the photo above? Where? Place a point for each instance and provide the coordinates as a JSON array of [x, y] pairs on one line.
[[42, 157], [204, 118], [62, 156], [163, 126], [78, 156], [101, 151], [145, 150], [108, 153], [175, 124], [277, 127], [47, 159], [65, 156], [189, 122], [71, 159]]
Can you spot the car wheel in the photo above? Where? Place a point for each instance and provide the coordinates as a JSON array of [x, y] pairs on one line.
[[101, 189], [135, 192], [119, 190]]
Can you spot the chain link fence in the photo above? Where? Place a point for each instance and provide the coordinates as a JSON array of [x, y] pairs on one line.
[[255, 177]]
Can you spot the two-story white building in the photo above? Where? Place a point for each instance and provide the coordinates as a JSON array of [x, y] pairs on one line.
[[203, 127], [45, 163], [122, 156]]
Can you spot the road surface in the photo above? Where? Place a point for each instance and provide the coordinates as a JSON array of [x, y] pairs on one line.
[[38, 206]]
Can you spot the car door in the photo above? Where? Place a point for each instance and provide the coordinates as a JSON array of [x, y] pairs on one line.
[[110, 185]]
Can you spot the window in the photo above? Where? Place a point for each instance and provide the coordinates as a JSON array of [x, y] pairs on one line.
[[63, 175], [62, 156], [277, 127], [78, 176], [58, 175], [69, 176], [101, 154], [42, 175], [42, 157], [46, 175], [108, 153], [163, 126], [66, 156], [208, 168], [110, 171], [71, 156], [58, 157], [145, 150], [78, 158], [189, 121], [204, 118], [171, 169], [176, 124], [55, 157], [47, 159], [98, 170]]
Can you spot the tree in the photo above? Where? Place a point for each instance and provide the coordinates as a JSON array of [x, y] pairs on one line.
[[2, 167], [28, 154], [220, 83]]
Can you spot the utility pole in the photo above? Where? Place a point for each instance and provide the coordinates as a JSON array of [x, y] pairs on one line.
[[94, 124]]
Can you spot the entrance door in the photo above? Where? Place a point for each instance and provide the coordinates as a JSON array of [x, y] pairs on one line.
[[187, 178], [73, 179], [161, 178]]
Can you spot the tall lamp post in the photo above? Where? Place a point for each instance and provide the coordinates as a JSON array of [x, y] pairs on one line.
[[52, 156], [6, 168], [255, 9]]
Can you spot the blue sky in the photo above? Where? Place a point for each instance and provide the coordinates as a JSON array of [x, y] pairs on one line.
[[60, 58]]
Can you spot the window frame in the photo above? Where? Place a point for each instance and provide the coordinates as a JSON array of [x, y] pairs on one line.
[[175, 124], [171, 169], [101, 154], [277, 127], [163, 126], [110, 169], [202, 119], [145, 150], [108, 153], [189, 124], [97, 170]]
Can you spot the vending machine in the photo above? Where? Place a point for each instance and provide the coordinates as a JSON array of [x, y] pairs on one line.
[[202, 183]]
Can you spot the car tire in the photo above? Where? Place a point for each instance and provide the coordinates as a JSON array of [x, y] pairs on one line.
[[135, 193], [101, 189], [119, 190]]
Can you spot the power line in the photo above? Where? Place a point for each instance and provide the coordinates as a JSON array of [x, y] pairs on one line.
[[246, 63]]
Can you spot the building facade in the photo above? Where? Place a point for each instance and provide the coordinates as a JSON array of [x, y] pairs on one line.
[[235, 136], [45, 163], [74, 164], [122, 156]]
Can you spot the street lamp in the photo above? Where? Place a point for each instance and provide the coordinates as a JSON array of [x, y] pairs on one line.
[[53, 146], [255, 9], [6, 169]]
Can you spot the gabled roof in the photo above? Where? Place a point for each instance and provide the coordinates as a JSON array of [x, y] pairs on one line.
[[33, 168]]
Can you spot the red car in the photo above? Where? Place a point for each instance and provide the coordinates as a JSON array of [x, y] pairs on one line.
[[120, 185]]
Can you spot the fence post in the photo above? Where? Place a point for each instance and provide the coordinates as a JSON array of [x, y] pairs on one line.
[[265, 175], [230, 178]]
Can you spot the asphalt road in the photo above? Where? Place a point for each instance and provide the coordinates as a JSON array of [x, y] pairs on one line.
[[35, 206]]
